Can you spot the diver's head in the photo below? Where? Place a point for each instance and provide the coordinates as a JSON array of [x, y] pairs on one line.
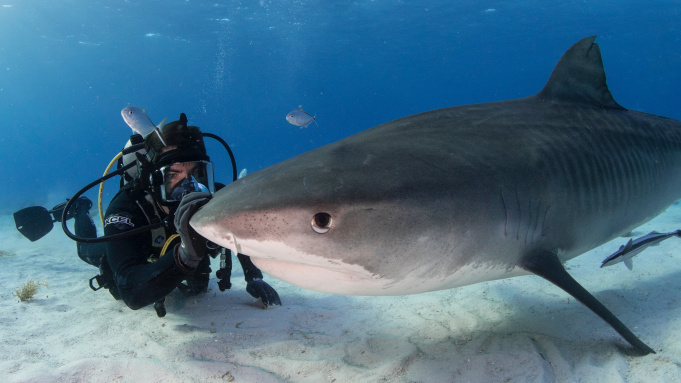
[[178, 140], [179, 163]]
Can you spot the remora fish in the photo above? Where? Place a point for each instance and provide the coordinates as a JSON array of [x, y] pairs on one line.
[[460, 195], [636, 246]]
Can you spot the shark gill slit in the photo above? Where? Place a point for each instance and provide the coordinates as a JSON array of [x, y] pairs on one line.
[[525, 219], [520, 214], [513, 217], [538, 223], [543, 223], [503, 203], [530, 219]]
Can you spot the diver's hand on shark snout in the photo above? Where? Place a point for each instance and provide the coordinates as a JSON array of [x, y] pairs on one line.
[[260, 289], [193, 246]]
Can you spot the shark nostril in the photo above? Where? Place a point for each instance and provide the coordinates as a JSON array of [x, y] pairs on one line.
[[321, 222]]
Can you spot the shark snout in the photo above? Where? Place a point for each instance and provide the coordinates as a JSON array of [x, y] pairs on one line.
[[216, 233]]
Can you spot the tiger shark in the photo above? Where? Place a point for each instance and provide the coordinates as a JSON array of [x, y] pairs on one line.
[[460, 195]]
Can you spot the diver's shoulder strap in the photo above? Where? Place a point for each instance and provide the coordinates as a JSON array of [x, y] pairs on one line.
[[151, 212]]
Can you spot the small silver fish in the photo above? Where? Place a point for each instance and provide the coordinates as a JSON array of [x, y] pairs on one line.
[[137, 120], [300, 118]]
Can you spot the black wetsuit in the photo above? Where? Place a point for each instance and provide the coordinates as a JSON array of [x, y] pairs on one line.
[[137, 281], [124, 266], [91, 253]]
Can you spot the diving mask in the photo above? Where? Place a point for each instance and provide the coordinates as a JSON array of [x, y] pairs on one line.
[[181, 178]]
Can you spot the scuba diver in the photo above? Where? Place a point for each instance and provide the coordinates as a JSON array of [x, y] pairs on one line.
[[140, 258]]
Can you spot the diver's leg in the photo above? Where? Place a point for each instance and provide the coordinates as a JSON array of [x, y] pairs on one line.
[[198, 281], [91, 253]]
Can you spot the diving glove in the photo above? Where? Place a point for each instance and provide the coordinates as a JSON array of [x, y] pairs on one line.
[[255, 285], [260, 289], [193, 247]]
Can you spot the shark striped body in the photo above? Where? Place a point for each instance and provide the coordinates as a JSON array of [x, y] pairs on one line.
[[460, 195]]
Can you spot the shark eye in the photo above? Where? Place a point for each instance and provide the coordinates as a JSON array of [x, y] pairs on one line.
[[321, 222]]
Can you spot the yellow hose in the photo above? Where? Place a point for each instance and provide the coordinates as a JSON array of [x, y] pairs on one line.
[[170, 239], [101, 185]]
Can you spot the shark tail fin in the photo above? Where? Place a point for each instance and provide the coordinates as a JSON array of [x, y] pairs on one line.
[[579, 77], [547, 265]]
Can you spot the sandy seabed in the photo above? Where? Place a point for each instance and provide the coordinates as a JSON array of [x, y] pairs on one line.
[[520, 329]]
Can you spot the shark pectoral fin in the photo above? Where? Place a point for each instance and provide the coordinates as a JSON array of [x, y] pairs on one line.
[[547, 265]]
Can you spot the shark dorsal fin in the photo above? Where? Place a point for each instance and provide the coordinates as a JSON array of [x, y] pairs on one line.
[[579, 77]]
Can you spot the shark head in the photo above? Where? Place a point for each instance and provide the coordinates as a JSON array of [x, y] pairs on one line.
[[354, 217]]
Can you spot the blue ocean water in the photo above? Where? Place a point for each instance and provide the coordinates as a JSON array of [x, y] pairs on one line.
[[236, 68]]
